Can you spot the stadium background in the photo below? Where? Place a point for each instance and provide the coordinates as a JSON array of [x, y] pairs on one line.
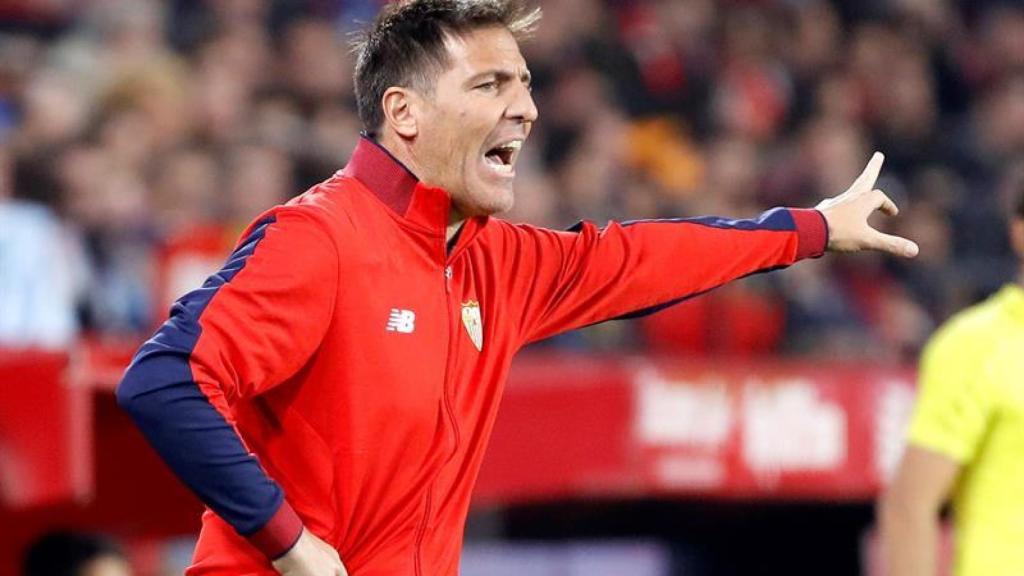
[[745, 432]]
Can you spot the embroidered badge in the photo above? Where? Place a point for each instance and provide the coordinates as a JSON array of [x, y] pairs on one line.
[[474, 325]]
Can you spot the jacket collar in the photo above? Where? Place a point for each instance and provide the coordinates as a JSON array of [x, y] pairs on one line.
[[401, 191], [397, 187]]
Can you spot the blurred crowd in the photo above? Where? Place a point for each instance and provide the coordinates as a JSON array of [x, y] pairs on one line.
[[138, 138]]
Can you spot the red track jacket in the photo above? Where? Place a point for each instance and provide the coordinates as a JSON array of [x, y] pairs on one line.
[[344, 369]]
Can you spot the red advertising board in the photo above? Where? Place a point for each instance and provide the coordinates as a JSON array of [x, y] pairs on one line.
[[640, 426]]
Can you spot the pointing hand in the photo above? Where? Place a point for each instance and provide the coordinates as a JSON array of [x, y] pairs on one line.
[[847, 216]]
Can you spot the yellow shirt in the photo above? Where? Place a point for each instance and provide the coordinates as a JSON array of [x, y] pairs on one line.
[[970, 407]]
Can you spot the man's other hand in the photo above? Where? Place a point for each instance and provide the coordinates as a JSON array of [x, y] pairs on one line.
[[847, 216], [310, 556]]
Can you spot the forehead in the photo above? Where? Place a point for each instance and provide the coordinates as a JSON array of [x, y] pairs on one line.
[[492, 47]]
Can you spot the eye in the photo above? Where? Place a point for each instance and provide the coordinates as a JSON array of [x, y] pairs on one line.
[[489, 86]]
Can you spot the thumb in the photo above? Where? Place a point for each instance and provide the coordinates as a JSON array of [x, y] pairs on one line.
[[895, 245]]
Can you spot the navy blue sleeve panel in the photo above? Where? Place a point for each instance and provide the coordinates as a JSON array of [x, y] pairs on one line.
[[178, 419], [588, 275], [180, 399], [810, 224]]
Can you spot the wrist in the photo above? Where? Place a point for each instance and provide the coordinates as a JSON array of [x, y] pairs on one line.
[[279, 534], [812, 232]]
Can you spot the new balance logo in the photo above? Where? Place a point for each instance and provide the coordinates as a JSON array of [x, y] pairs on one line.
[[403, 321]]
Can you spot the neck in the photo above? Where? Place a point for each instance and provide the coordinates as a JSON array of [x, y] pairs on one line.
[[402, 150], [455, 221]]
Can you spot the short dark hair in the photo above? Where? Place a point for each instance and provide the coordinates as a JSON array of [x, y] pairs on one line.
[[405, 45], [66, 553]]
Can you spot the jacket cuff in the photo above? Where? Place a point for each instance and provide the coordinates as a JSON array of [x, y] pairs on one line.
[[279, 534], [812, 231]]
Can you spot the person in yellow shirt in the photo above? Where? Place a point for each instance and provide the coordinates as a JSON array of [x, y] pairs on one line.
[[966, 443]]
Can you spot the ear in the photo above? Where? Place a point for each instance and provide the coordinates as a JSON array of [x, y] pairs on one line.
[[1017, 236], [400, 106]]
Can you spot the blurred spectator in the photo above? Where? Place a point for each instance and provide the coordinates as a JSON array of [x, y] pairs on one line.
[[743, 320], [107, 207], [36, 291], [260, 178], [74, 554]]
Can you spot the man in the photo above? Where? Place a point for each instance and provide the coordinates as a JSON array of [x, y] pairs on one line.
[[966, 439], [358, 339]]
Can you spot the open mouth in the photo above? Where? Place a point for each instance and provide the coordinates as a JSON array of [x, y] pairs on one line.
[[502, 158]]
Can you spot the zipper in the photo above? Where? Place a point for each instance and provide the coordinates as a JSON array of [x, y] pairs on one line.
[[449, 411], [422, 531], [453, 335]]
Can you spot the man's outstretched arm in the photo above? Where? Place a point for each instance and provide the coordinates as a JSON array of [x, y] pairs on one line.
[[565, 280], [251, 326]]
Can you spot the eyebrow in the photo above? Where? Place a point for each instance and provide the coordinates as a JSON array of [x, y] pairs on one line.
[[500, 74]]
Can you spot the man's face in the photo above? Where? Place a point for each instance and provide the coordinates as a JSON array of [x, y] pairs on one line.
[[472, 127]]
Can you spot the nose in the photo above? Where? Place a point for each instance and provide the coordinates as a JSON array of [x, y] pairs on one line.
[[522, 107]]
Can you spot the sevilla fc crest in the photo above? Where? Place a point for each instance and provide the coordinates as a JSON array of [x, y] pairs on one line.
[[474, 326]]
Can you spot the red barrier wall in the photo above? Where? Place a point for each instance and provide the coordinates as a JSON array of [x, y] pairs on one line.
[[570, 426]]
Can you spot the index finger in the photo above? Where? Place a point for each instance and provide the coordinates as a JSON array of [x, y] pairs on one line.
[[870, 174], [886, 205]]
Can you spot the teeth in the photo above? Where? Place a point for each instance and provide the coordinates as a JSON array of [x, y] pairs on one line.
[[497, 165], [507, 150], [510, 146]]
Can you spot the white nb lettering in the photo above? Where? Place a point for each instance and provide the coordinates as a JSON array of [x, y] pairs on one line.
[[403, 321]]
